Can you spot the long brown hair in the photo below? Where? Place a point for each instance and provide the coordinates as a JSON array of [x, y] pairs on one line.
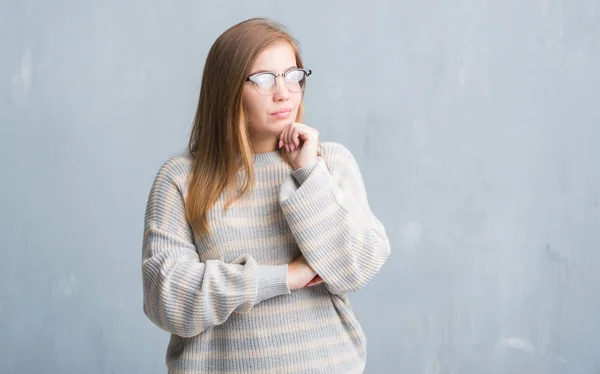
[[219, 141]]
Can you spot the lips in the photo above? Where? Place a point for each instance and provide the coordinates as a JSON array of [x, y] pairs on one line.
[[282, 111]]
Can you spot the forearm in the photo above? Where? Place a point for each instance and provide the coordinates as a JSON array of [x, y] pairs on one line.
[[184, 296], [335, 229]]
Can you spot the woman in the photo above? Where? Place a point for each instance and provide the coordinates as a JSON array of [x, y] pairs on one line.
[[255, 234]]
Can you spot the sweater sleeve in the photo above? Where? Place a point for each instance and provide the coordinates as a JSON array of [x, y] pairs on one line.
[[182, 295], [331, 220]]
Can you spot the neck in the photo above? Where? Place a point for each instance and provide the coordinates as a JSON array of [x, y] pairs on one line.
[[265, 145]]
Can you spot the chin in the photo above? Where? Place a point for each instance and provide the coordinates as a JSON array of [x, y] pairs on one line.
[[280, 122]]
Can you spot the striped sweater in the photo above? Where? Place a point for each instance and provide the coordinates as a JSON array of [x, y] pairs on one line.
[[225, 299]]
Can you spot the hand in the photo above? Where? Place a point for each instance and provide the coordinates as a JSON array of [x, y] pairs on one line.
[[300, 142], [299, 273], [316, 280]]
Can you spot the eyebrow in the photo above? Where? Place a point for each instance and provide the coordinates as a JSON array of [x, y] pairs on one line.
[[269, 71]]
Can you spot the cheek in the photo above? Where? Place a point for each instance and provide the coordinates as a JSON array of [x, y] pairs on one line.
[[297, 106], [254, 106]]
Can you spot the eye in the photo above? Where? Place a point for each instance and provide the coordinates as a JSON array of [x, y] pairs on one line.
[[294, 76], [264, 80]]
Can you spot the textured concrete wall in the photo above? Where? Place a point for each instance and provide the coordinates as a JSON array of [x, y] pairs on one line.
[[476, 125]]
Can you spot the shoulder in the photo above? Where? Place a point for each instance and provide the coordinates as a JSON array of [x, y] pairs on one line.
[[175, 169], [337, 156]]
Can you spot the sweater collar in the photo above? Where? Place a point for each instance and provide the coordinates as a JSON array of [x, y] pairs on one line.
[[268, 158]]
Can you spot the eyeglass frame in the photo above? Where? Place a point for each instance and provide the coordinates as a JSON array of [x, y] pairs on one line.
[[307, 73]]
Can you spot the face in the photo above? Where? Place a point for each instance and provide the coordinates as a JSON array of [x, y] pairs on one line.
[[265, 116]]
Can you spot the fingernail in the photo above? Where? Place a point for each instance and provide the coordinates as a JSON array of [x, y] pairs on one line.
[[279, 145]]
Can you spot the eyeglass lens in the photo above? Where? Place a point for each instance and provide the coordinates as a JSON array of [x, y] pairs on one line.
[[295, 81]]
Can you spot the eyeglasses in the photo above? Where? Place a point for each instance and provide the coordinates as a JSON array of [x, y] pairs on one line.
[[266, 82]]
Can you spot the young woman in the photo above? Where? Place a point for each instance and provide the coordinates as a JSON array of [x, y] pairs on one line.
[[254, 235]]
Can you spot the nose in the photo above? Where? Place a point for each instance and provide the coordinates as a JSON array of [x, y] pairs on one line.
[[281, 91]]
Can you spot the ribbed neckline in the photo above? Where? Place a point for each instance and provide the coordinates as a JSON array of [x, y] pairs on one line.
[[268, 158]]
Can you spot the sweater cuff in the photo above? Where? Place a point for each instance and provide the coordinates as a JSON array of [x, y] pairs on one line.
[[301, 174], [271, 281]]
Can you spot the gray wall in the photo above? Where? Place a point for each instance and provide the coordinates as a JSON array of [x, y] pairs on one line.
[[476, 125]]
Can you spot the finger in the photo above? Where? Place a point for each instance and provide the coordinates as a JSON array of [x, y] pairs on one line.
[[295, 137], [316, 280], [282, 136], [288, 134], [288, 137], [305, 132], [293, 144], [280, 142]]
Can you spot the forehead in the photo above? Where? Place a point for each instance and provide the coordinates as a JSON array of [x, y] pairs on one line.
[[276, 57]]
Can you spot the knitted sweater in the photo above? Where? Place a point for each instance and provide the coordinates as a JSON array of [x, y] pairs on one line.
[[225, 300]]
